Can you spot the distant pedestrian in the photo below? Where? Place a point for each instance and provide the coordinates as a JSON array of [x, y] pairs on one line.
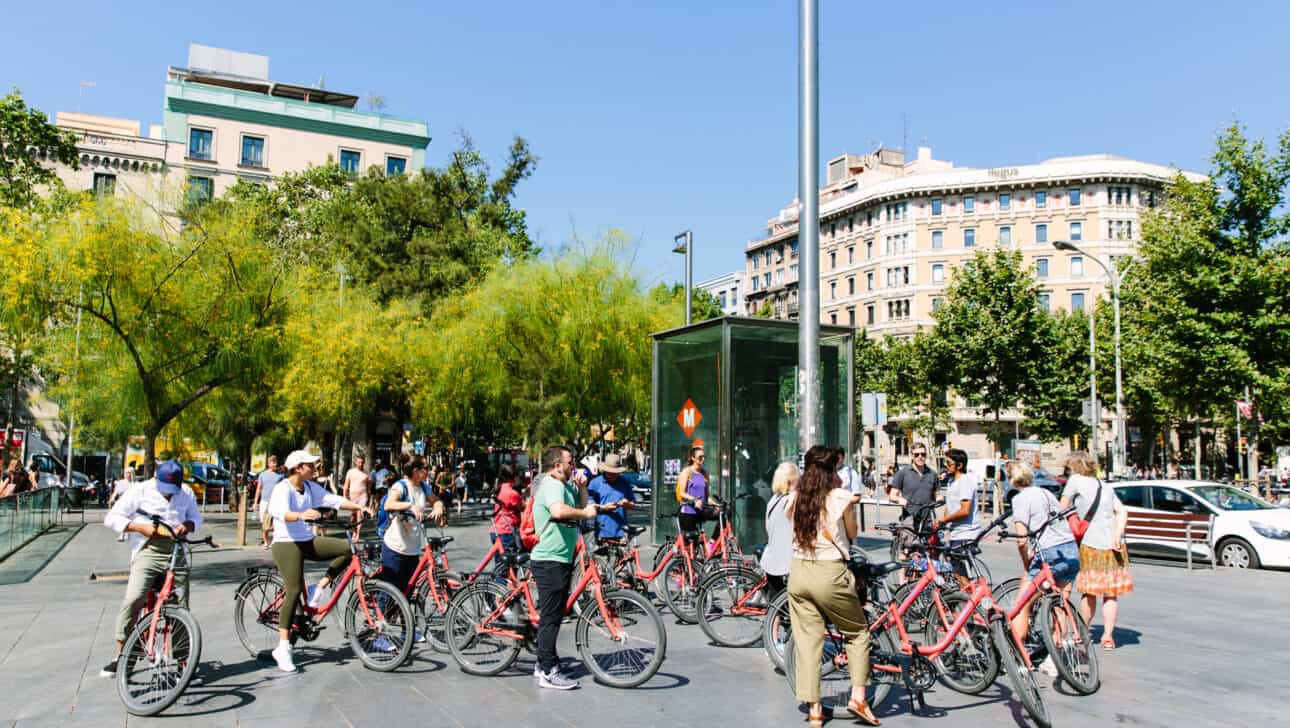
[[357, 486], [264, 484], [609, 488], [16, 479], [508, 509], [1103, 557], [777, 557], [693, 494]]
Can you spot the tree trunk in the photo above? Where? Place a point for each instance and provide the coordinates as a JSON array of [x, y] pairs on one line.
[[1196, 456], [9, 423], [150, 450]]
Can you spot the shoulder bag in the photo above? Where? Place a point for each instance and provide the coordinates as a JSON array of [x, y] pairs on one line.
[[1080, 525]]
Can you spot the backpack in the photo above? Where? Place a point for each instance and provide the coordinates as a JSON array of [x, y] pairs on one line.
[[382, 516], [528, 527]]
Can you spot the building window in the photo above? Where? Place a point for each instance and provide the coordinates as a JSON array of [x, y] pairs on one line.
[[395, 166], [1077, 301], [969, 203], [851, 317], [1041, 268], [200, 189], [833, 318], [868, 315], [1041, 233], [936, 206], [200, 143], [938, 239], [1077, 266], [734, 297], [768, 257], [1041, 198], [104, 184], [755, 282], [756, 262], [349, 160], [252, 151], [765, 279], [1045, 302], [891, 277], [792, 271], [851, 286], [969, 237], [868, 250], [833, 259], [722, 299], [1005, 201], [1074, 197], [833, 290], [1077, 231], [868, 281], [851, 254], [938, 273], [1005, 235], [937, 303], [792, 247], [906, 270]]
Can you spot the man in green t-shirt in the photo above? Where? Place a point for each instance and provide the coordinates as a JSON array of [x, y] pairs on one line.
[[560, 501]]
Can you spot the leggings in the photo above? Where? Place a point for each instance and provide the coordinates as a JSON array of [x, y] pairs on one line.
[[694, 522], [290, 557]]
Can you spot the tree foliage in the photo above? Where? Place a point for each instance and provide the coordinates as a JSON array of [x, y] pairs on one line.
[[29, 144]]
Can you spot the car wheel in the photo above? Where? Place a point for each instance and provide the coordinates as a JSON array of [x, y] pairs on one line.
[[1235, 553]]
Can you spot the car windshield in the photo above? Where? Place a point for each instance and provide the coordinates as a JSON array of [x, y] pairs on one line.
[[1230, 499]]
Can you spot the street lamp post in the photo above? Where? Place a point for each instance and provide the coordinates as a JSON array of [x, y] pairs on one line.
[[1118, 453], [808, 223], [685, 245]]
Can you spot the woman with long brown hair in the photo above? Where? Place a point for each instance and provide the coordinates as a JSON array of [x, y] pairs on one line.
[[821, 588]]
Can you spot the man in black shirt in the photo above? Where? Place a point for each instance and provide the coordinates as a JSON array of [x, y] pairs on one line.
[[915, 488]]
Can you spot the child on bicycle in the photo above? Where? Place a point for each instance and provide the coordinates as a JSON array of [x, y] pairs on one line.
[[294, 503], [1031, 509]]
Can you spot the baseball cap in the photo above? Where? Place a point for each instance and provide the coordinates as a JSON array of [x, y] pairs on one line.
[[298, 457], [170, 477]]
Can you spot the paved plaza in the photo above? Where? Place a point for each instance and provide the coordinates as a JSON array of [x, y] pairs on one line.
[[1196, 648]]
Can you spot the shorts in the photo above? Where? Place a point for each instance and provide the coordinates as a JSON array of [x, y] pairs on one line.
[[360, 499], [1063, 561]]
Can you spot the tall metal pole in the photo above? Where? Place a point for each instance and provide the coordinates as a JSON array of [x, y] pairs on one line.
[[808, 224], [71, 405], [689, 276], [1094, 410], [1122, 435]]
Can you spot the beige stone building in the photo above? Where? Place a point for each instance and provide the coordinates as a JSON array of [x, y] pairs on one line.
[[892, 232]]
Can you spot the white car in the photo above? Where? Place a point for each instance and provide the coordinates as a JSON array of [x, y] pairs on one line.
[[1248, 532]]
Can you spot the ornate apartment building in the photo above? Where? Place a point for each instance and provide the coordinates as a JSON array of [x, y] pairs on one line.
[[893, 231]]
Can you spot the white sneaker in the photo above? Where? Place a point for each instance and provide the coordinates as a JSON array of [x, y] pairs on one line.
[[418, 637], [1048, 667], [315, 594], [282, 655], [383, 644], [555, 680]]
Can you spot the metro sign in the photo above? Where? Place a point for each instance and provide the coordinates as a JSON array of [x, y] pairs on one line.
[[688, 418]]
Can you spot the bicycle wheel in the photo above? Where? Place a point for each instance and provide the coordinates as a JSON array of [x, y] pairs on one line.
[[432, 615], [624, 644], [1020, 678], [255, 612], [731, 606], [148, 684], [476, 652], [381, 634], [776, 627], [969, 665], [1068, 641], [681, 589], [1005, 595], [835, 678]]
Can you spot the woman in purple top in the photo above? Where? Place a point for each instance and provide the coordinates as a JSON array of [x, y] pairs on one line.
[[692, 492]]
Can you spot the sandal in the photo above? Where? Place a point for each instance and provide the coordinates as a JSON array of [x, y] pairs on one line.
[[862, 711], [1108, 645], [815, 714]]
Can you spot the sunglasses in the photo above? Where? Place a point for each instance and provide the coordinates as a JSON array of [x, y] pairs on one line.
[[920, 454]]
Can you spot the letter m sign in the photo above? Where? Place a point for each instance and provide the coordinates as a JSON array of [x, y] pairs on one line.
[[689, 418]]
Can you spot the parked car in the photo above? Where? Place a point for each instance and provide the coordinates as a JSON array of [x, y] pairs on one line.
[[641, 485], [205, 475], [1043, 479], [1247, 531]]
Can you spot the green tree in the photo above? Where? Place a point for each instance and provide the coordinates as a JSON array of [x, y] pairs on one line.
[[918, 380], [29, 144], [993, 329], [705, 305], [1055, 402]]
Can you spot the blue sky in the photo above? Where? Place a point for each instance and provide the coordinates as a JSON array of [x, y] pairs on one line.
[[653, 117]]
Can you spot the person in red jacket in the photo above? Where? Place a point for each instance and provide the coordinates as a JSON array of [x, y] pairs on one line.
[[508, 509]]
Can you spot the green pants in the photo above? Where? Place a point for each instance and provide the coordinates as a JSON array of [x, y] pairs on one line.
[[820, 593], [290, 557], [146, 572]]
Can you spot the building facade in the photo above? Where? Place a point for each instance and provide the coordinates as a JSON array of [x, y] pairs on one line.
[[893, 231], [728, 290]]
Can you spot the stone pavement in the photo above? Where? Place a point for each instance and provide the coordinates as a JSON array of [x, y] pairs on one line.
[[1196, 648]]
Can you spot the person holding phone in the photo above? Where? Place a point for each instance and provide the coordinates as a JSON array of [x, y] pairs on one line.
[[610, 488]]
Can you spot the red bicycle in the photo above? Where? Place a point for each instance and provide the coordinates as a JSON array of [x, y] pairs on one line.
[[161, 653], [378, 620]]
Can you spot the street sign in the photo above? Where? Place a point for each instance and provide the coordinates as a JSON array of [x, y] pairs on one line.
[[1086, 413], [873, 409], [688, 418]]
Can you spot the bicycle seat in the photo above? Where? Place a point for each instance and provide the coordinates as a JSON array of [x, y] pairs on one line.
[[512, 559], [633, 531], [877, 571], [439, 542]]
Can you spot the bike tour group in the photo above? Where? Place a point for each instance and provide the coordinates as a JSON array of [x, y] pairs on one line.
[[844, 630]]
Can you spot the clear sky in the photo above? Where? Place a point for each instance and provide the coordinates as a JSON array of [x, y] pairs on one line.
[[657, 116]]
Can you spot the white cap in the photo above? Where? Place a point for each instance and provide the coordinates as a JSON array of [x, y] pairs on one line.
[[298, 457]]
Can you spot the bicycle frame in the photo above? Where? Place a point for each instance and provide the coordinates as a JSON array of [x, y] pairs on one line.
[[371, 610], [1044, 581], [633, 557], [157, 599]]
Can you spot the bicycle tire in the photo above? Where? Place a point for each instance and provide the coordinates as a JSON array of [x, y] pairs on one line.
[[680, 589], [644, 638], [835, 681], [388, 617], [432, 618], [721, 591], [476, 653], [1074, 656], [1020, 677], [181, 638], [777, 626], [255, 623], [970, 665], [1004, 596]]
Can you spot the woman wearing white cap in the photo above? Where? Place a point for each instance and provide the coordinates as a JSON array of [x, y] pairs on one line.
[[294, 541]]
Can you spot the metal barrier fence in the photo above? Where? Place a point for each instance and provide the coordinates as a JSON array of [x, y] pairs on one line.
[[26, 515]]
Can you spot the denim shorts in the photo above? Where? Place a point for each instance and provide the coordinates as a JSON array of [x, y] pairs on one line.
[[1063, 561]]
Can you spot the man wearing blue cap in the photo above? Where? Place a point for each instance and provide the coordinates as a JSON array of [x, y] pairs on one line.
[[150, 547]]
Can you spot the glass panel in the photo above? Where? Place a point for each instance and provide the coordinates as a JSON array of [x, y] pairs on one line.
[[25, 515], [349, 161]]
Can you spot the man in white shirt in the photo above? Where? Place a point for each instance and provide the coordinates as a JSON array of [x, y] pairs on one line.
[[960, 502], [150, 547], [120, 486]]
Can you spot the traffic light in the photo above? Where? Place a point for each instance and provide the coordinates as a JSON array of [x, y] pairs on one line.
[[1077, 441], [1160, 439], [1243, 445]]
